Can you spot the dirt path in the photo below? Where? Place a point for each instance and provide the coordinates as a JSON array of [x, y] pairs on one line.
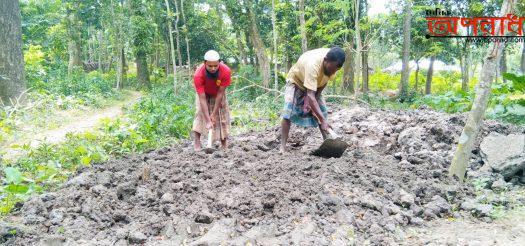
[[74, 122], [84, 122]]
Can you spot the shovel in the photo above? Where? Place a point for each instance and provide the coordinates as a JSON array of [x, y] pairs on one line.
[[209, 147], [332, 146]]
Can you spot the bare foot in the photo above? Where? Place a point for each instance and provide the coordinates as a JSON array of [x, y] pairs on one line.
[[224, 145], [283, 149], [197, 148]]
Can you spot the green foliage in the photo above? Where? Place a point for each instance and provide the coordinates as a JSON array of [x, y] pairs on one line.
[[80, 83], [12, 175], [158, 119], [252, 107], [508, 99], [143, 32], [442, 82], [377, 100], [264, 111], [380, 81], [77, 89], [326, 23], [207, 31], [449, 102], [163, 114], [34, 65], [518, 82]]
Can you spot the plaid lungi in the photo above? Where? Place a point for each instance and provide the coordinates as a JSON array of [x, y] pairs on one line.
[[220, 131], [293, 106]]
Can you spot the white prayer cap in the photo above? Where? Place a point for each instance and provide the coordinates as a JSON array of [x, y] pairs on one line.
[[211, 55]]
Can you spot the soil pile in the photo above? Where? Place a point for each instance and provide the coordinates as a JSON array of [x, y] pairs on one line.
[[392, 175]]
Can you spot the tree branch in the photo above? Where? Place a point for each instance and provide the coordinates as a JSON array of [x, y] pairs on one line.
[[253, 84]]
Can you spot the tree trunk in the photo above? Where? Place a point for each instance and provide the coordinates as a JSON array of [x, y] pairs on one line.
[[304, 41], [417, 77], [365, 71], [177, 33], [275, 72], [139, 47], [119, 71], [106, 54], [240, 47], [232, 8], [118, 51], [122, 69], [12, 79], [167, 58], [74, 56], [348, 68], [142, 70], [156, 59], [172, 48], [87, 51], [100, 49], [289, 64], [522, 61], [260, 49], [475, 117], [358, 48], [403, 85], [156, 53], [464, 73], [250, 49], [74, 46], [503, 63], [430, 73], [186, 40]]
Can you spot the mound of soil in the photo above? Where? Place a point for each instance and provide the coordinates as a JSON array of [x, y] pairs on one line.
[[394, 174]]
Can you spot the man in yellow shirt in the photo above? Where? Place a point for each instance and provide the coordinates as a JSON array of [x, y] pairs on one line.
[[303, 103]]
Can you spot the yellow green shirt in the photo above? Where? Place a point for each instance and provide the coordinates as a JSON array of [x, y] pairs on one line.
[[307, 72]]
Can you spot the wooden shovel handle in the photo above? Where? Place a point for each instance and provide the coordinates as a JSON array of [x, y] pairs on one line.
[[330, 130], [210, 140], [332, 133]]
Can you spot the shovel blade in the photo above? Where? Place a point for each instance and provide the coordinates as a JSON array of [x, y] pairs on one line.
[[208, 150], [331, 148]]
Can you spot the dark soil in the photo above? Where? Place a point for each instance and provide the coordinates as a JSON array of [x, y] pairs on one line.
[[393, 174]]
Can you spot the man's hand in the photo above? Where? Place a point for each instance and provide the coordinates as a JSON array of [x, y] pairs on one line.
[[209, 125], [306, 105], [325, 125], [213, 118]]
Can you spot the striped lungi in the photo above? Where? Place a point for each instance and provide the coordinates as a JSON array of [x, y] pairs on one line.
[[220, 131], [293, 106]]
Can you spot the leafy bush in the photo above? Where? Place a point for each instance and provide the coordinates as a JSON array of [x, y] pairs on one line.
[[442, 82], [163, 113], [508, 99], [34, 65], [79, 83], [450, 102]]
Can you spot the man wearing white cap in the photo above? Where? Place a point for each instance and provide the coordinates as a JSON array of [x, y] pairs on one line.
[[211, 79]]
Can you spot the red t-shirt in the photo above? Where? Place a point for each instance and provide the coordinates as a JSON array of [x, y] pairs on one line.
[[203, 84]]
